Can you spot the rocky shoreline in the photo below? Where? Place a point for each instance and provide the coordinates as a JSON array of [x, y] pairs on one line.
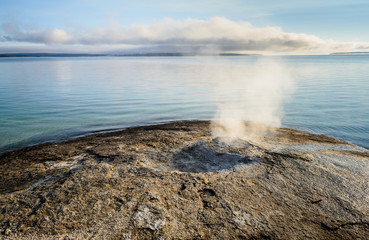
[[175, 181]]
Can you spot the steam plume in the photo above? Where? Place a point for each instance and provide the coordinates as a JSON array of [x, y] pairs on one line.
[[255, 94]]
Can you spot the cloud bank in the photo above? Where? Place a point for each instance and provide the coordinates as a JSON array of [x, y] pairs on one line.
[[215, 35]]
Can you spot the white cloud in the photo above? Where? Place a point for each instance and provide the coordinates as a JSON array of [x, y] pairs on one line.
[[50, 36], [217, 34]]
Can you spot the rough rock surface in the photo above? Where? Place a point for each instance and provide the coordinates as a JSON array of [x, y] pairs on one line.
[[174, 181]]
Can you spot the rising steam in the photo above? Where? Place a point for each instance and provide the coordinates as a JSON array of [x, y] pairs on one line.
[[254, 94]]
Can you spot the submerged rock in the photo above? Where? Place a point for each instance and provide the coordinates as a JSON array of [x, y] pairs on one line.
[[174, 181]]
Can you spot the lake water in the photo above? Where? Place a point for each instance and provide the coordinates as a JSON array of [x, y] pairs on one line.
[[51, 99]]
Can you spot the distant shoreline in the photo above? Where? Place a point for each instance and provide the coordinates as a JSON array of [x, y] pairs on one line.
[[350, 53], [12, 55], [74, 55]]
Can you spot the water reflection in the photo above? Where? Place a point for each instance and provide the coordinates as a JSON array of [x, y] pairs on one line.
[[55, 98]]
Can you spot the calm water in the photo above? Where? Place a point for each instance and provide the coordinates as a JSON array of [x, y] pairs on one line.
[[47, 99]]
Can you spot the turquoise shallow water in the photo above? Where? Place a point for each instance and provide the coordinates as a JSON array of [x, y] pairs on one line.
[[52, 99]]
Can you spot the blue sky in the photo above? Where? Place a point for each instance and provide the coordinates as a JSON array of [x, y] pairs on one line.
[[26, 23]]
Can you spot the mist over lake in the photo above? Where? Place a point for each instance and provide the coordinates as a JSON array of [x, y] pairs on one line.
[[53, 99]]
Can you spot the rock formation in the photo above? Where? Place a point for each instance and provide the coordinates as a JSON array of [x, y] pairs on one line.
[[174, 181]]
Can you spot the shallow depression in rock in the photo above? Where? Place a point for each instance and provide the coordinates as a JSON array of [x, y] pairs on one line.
[[216, 154]]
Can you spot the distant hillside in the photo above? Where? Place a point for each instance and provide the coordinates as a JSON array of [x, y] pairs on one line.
[[163, 54], [350, 53], [50, 55]]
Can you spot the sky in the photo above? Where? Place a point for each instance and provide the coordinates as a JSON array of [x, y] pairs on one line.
[[202, 26]]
